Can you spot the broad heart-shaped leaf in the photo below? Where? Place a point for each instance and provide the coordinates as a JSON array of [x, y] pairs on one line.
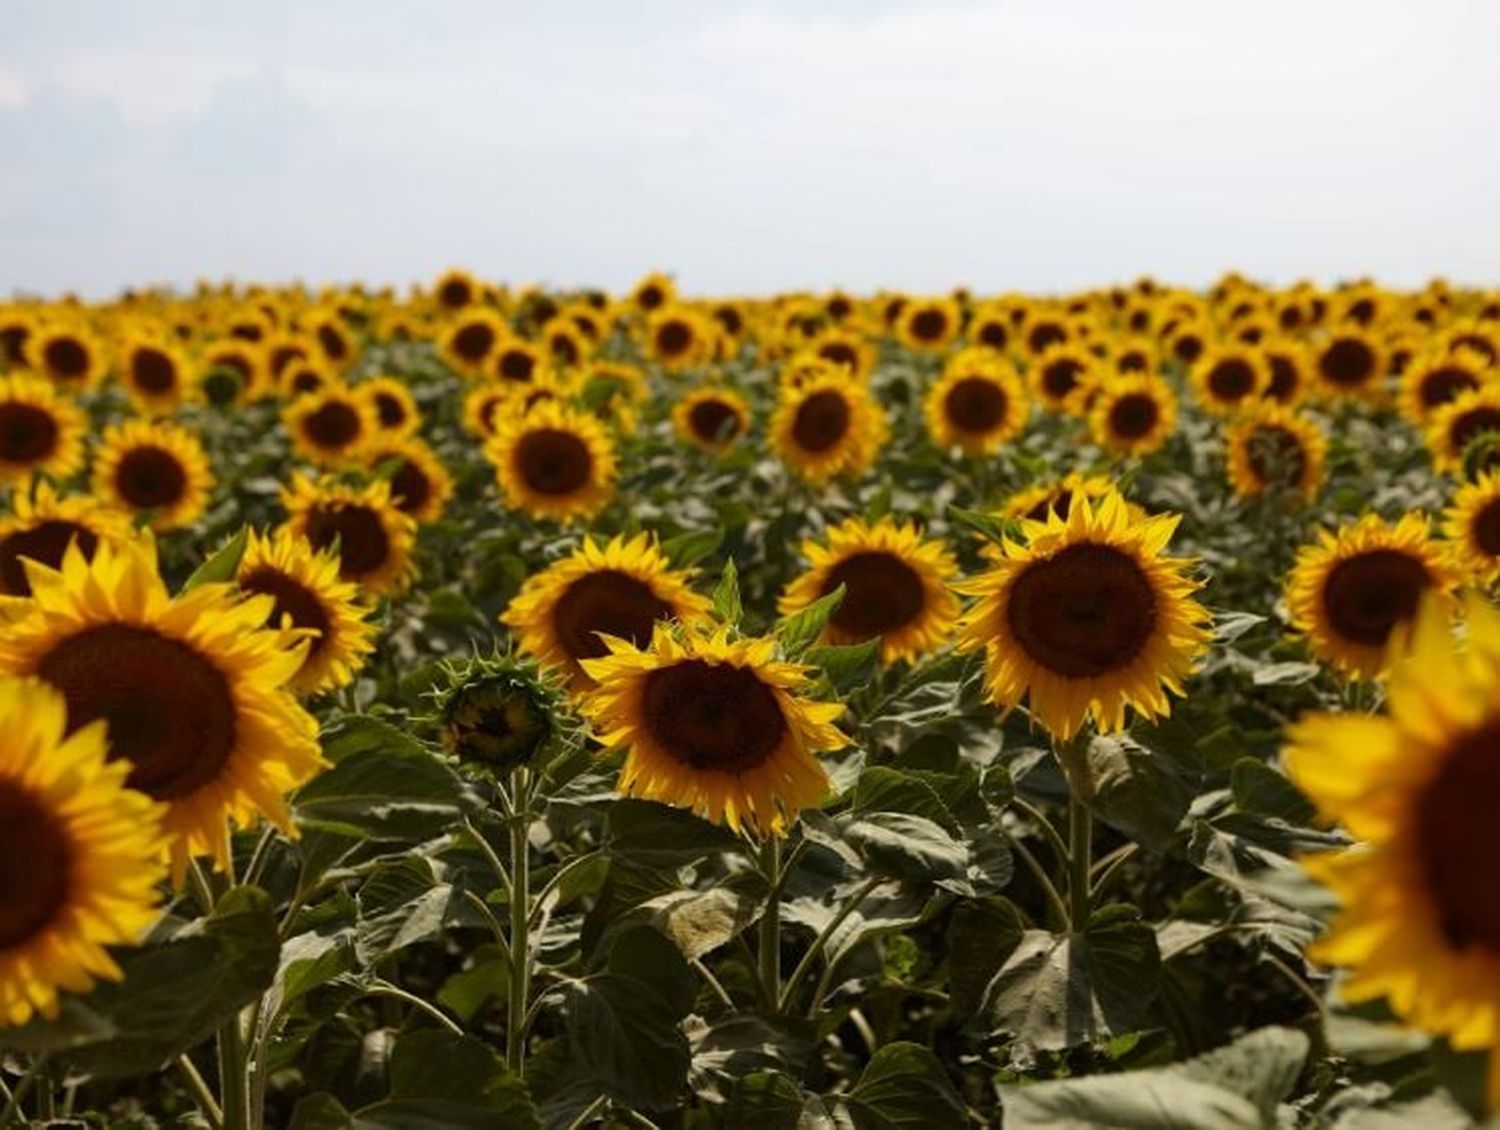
[[846, 666], [904, 1087], [658, 835], [1139, 792], [905, 846], [223, 565], [624, 1037], [764, 1100], [797, 632], [983, 933], [175, 993], [883, 789], [699, 922], [1234, 1088], [1060, 990]]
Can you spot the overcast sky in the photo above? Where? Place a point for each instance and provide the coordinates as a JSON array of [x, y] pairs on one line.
[[749, 146]]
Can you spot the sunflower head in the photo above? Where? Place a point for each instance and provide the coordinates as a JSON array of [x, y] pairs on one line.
[[420, 484], [929, 325], [1037, 503], [678, 337], [154, 470], [40, 528], [41, 429], [396, 411], [68, 353], [516, 361], [468, 343], [373, 537], [1064, 378], [1434, 379], [827, 425], [333, 426], [1290, 369], [1270, 447], [653, 292], [1133, 415], [1350, 363], [553, 461], [155, 372], [1454, 426], [978, 404], [454, 290], [711, 418], [1227, 378], [1472, 527], [498, 713]]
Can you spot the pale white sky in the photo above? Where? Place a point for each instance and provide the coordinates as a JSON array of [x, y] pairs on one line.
[[749, 146]]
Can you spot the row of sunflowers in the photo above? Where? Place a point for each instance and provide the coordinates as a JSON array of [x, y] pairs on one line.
[[485, 706]]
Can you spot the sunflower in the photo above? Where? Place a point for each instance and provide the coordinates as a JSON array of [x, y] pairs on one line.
[[1133, 415], [566, 346], [1471, 524], [335, 346], [1038, 502], [896, 587], [1189, 340], [711, 417], [1226, 378], [331, 427], [454, 289], [302, 378], [396, 411], [484, 405], [678, 338], [67, 353], [41, 429], [1437, 378], [1087, 617], [715, 725], [847, 348], [153, 469], [1453, 426], [420, 484], [553, 461], [1483, 338], [1042, 330], [1273, 446], [245, 360], [827, 426], [81, 854], [1350, 363], [191, 688], [1063, 378], [978, 404], [516, 361], [373, 537], [928, 325], [1348, 591], [1290, 367], [43, 525], [155, 372], [281, 352], [991, 328], [17, 324], [653, 292], [1418, 924], [468, 343], [620, 589], [732, 320], [311, 600]]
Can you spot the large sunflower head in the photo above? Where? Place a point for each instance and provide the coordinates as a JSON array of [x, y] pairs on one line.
[[336, 346], [1133, 415], [396, 411], [1471, 525], [1270, 446], [1434, 379], [1419, 917], [829, 425], [619, 589], [333, 426], [373, 537], [454, 290], [246, 360], [1188, 339], [565, 344], [154, 469], [978, 404], [678, 337], [711, 417], [1087, 617], [516, 361], [992, 328], [1350, 363], [1457, 424], [156, 372], [847, 348], [929, 325], [80, 853], [1042, 329], [468, 343], [653, 292], [40, 528], [68, 353], [553, 461], [311, 601], [190, 687], [1351, 589], [1227, 378], [1290, 367], [420, 484], [41, 429], [1064, 377], [896, 587], [715, 725]]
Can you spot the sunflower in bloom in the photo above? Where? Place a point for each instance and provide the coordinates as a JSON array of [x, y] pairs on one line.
[[977, 405], [1036, 503], [396, 411], [896, 587], [847, 348], [156, 373], [246, 360], [156, 469], [1350, 364], [484, 406], [516, 361], [191, 688], [282, 351], [714, 725], [80, 854], [420, 484], [41, 430], [1481, 337], [1227, 378], [454, 290], [1271, 446], [1042, 329], [1133, 415], [40, 528], [1471, 525], [331, 427], [1419, 788], [553, 461], [305, 377], [67, 353], [928, 325], [678, 337], [335, 346], [1290, 367], [652, 292], [1434, 379], [618, 589], [1064, 378], [1453, 426], [1350, 590], [1187, 340], [828, 426], [711, 417], [468, 343], [312, 601], [374, 538], [1087, 617]]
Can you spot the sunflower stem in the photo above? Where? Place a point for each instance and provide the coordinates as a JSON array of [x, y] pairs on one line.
[[520, 923], [1080, 861], [770, 924], [234, 1079]]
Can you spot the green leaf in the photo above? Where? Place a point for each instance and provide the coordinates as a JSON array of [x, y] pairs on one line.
[[847, 666], [657, 835], [764, 1100], [691, 547], [699, 922], [983, 933], [646, 954], [1289, 674], [727, 606], [906, 846], [1139, 792], [223, 565], [624, 1036], [991, 527], [800, 630], [905, 1087], [1258, 787]]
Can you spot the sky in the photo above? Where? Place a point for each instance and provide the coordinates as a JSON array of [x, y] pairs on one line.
[[748, 146]]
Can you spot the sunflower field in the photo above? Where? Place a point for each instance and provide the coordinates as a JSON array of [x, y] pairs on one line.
[[492, 707]]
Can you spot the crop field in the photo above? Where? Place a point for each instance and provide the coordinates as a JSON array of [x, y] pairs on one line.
[[484, 706]]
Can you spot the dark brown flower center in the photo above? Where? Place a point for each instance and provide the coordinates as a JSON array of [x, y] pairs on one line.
[[714, 421], [1284, 378], [673, 339], [881, 593], [993, 334], [1133, 361], [730, 319], [552, 461], [976, 405], [840, 353], [1187, 348], [1362, 311], [1060, 377], [390, 409], [306, 380], [293, 599], [364, 546], [1366, 595], [822, 420], [1059, 503], [650, 297], [473, 341], [410, 487], [1484, 528], [1479, 343], [169, 709], [13, 344], [517, 365], [333, 342], [1466, 425], [152, 371], [1134, 415], [1444, 384], [1088, 610], [1045, 334], [1347, 362], [713, 716], [455, 294], [333, 426], [565, 349], [607, 601], [149, 478], [283, 356], [46, 542], [36, 865], [65, 358], [929, 325], [1455, 832], [28, 434], [1231, 379]]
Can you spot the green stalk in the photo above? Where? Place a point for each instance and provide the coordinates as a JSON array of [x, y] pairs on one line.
[[770, 924], [234, 1079], [1080, 861], [520, 923]]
